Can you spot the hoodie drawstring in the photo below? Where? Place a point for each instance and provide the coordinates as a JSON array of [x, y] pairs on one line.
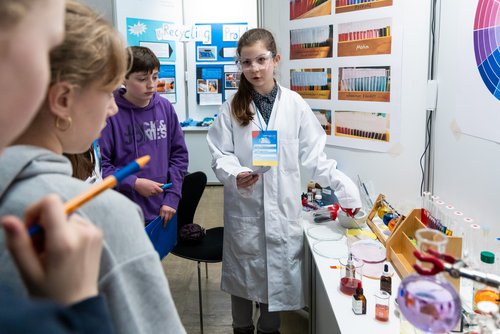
[[136, 150]]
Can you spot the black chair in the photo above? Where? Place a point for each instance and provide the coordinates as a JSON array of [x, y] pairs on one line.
[[209, 250]]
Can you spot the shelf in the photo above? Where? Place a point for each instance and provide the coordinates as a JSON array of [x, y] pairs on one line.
[[365, 96], [365, 47], [311, 53], [315, 94], [362, 6], [321, 10]]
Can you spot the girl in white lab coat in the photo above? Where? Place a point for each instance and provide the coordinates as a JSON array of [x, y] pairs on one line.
[[263, 238]]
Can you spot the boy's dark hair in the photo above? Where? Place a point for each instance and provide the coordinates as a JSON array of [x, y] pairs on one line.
[[141, 59]]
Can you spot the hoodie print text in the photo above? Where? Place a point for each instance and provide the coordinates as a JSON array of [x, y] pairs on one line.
[[150, 130]]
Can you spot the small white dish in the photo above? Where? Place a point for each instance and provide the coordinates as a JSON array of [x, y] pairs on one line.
[[348, 222]]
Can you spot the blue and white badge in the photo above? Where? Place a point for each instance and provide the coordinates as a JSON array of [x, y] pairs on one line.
[[265, 148]]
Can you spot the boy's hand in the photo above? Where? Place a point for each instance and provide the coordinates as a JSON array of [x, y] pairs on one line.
[[147, 187], [166, 213]]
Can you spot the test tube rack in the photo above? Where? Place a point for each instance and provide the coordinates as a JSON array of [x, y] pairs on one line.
[[379, 203]]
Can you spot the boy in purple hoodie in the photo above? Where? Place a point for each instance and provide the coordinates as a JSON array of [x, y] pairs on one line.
[[145, 124]]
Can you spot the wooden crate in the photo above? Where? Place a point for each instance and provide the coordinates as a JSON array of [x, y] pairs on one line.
[[401, 244]]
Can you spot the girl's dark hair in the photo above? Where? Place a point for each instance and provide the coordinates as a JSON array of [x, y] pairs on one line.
[[240, 105], [141, 59], [83, 163]]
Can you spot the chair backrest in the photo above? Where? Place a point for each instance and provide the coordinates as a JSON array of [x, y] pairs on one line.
[[192, 190]]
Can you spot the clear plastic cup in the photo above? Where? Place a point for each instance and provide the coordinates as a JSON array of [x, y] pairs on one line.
[[430, 239], [382, 299]]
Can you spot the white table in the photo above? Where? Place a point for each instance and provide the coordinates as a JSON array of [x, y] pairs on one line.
[[331, 310]]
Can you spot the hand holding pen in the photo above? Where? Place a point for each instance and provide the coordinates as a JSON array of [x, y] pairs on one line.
[[107, 183], [66, 268], [63, 262]]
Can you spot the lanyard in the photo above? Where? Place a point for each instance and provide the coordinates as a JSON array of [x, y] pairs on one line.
[[259, 116]]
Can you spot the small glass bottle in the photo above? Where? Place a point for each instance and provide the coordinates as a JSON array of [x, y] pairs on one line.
[[386, 280], [359, 301], [310, 186], [481, 292]]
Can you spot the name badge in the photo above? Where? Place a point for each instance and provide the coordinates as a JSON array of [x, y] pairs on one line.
[[265, 148]]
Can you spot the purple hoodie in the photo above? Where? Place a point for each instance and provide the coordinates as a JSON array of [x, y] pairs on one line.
[[134, 132]]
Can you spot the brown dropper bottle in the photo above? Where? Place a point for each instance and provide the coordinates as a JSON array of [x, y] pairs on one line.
[[359, 301], [386, 280]]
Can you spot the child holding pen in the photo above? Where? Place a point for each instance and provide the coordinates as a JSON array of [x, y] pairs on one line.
[[63, 275], [146, 124], [85, 70]]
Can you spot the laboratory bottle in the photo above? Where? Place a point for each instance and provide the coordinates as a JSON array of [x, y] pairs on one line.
[[386, 280], [310, 186], [359, 300], [481, 293]]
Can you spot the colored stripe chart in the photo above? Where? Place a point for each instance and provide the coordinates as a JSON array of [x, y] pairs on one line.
[[487, 44]]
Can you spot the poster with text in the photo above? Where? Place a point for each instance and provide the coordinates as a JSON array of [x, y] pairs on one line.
[[151, 34]]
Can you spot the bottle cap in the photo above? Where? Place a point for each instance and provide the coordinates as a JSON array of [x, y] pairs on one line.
[[487, 257], [359, 288]]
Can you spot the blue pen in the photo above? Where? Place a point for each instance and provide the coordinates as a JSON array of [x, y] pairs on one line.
[[166, 186]]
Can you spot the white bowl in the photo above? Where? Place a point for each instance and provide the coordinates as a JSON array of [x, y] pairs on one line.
[[347, 221]]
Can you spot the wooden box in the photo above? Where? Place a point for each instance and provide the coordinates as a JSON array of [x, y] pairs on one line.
[[401, 244]]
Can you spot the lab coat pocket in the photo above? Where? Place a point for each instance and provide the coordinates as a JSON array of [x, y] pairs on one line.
[[246, 235], [289, 156], [295, 241]]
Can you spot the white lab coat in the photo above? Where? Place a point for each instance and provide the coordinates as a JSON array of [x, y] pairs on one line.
[[263, 239]]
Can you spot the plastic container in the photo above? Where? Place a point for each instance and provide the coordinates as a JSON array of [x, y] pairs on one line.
[[481, 293]]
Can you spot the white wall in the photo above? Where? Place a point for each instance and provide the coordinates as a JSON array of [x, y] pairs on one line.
[[398, 176], [103, 7], [466, 168]]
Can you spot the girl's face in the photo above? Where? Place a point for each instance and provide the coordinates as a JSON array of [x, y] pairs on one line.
[[90, 109], [24, 65], [257, 64]]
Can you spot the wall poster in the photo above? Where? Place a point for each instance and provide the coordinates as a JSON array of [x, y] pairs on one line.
[[151, 34], [344, 58], [217, 76]]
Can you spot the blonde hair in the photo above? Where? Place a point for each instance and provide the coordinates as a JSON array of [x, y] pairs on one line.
[[13, 11], [92, 50]]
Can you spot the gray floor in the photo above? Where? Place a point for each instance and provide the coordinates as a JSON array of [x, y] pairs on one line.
[[182, 276]]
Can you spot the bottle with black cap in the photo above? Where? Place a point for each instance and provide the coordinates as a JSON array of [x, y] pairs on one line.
[[386, 280]]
